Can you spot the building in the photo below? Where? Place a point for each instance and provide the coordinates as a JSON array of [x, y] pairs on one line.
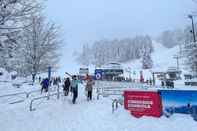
[[109, 71]]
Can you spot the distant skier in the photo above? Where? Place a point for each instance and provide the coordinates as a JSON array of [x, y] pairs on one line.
[[74, 86], [55, 81], [151, 82], [59, 79], [162, 83], [89, 88], [66, 86], [39, 79], [45, 85]]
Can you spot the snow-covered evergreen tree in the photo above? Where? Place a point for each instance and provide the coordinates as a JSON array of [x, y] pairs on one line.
[[147, 62], [146, 51]]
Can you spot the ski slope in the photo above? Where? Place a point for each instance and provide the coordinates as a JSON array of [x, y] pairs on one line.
[[96, 115], [162, 59]]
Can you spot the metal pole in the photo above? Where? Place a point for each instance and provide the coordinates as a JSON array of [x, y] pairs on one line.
[[178, 63], [129, 75], [30, 107], [153, 75], [58, 92], [193, 29]]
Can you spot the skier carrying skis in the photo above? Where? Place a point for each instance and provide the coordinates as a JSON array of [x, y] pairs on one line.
[[74, 86], [89, 88], [66, 86]]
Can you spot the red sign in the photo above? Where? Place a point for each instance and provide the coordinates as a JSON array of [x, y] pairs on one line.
[[143, 103]]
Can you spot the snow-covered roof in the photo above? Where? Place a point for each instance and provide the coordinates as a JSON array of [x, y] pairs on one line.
[[112, 65]]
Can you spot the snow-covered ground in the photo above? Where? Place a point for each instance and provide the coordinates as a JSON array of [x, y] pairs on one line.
[[61, 115]]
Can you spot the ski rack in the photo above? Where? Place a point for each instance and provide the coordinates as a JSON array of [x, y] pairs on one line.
[[100, 83], [106, 91], [15, 94], [34, 91], [107, 88], [31, 92], [26, 94], [106, 95], [109, 91], [43, 97], [102, 89], [113, 84]]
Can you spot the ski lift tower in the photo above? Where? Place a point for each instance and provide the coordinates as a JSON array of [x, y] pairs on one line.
[[177, 61]]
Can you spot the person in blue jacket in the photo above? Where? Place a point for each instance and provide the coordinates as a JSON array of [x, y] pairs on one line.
[[45, 85], [74, 86]]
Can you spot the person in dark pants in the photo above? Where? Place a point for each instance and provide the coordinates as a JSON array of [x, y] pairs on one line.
[[39, 79], [74, 85], [162, 83], [66, 86], [45, 85], [55, 81], [89, 88]]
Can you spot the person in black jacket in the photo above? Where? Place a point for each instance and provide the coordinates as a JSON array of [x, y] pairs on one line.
[[66, 86]]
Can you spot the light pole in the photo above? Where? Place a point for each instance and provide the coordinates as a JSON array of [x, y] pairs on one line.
[[193, 29], [194, 36]]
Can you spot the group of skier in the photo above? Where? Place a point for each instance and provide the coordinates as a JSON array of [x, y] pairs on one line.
[[45, 83], [72, 86]]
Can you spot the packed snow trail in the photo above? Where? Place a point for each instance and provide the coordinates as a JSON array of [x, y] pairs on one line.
[[96, 115]]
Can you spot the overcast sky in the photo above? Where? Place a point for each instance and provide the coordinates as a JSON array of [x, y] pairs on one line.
[[87, 20]]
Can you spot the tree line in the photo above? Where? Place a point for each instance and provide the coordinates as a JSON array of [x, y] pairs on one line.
[[117, 50]]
